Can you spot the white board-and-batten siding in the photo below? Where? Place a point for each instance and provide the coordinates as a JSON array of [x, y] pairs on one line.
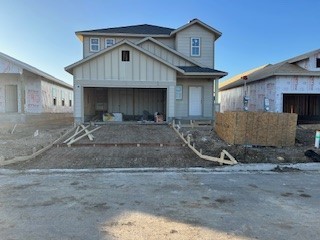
[[86, 42], [183, 44], [165, 54], [109, 67]]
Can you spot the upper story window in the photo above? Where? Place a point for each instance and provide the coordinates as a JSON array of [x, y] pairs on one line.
[[195, 47], [125, 56], [109, 42], [318, 62], [94, 44]]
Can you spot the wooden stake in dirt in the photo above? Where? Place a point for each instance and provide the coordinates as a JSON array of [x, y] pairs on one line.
[[13, 128]]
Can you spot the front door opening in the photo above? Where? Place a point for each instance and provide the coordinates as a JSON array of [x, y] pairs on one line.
[[195, 101]]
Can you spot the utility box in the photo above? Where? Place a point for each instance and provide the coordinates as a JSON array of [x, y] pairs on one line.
[[257, 128]]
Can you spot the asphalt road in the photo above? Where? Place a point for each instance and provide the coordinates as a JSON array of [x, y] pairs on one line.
[[101, 204]]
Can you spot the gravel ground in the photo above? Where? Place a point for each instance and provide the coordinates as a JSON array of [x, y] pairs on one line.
[[23, 140], [115, 146]]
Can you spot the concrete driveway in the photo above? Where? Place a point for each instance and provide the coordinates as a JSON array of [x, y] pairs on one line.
[[103, 204]]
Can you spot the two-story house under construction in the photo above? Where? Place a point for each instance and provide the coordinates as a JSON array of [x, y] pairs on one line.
[[142, 69]]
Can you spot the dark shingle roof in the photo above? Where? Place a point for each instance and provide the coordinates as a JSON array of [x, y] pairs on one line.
[[197, 69], [144, 29]]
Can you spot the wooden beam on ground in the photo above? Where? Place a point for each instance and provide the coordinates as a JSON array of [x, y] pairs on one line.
[[74, 135], [82, 136], [90, 136]]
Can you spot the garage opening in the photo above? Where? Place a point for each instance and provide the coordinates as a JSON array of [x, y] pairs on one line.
[[133, 104], [307, 106]]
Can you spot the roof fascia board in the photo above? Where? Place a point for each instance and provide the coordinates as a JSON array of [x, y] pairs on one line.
[[70, 67], [197, 21], [303, 56], [237, 77], [25, 66], [204, 74], [120, 34]]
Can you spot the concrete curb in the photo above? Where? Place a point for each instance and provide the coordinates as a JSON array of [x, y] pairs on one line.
[[28, 157], [240, 168]]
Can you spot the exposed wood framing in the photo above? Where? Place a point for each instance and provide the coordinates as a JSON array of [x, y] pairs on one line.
[[90, 136], [221, 159], [71, 141], [76, 133]]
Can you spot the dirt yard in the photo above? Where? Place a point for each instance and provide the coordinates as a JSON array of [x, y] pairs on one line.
[[159, 147]]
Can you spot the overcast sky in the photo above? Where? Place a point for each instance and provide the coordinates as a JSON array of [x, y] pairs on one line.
[[254, 32]]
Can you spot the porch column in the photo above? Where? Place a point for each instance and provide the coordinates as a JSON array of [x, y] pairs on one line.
[[215, 101], [171, 91], [78, 104]]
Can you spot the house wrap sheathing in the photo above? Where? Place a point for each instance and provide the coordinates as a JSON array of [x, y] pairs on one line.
[[291, 86], [25, 90]]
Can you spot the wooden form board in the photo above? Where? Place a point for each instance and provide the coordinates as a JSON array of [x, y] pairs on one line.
[[222, 160], [257, 128]]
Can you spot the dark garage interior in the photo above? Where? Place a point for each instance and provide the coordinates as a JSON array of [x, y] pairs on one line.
[[134, 104], [307, 106]]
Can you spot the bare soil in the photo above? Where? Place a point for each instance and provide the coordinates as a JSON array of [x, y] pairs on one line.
[[115, 145]]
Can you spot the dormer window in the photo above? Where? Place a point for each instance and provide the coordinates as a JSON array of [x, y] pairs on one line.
[[94, 44], [318, 62], [109, 42], [195, 47]]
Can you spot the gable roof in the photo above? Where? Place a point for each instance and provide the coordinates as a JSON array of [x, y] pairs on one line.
[[34, 70], [303, 56], [70, 67], [197, 21], [188, 71], [198, 69], [170, 50], [284, 68]]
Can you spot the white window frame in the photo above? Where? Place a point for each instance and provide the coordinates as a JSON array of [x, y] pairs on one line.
[[192, 47], [94, 44], [179, 92], [106, 45]]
